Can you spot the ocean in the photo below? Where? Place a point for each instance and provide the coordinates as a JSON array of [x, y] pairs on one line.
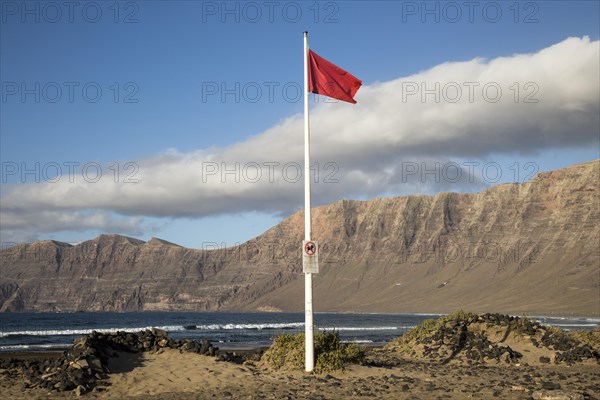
[[48, 331]]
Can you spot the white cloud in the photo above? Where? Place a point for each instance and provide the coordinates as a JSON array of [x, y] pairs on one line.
[[450, 113]]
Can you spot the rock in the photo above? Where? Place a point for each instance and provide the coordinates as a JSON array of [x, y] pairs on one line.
[[47, 376], [205, 347], [81, 341], [255, 355], [80, 390], [63, 386], [230, 357], [159, 333], [550, 385], [81, 364], [95, 364]]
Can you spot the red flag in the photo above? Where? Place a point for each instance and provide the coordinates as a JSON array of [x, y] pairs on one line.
[[330, 80]]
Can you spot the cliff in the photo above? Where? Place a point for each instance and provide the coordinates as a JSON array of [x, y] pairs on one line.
[[531, 248]]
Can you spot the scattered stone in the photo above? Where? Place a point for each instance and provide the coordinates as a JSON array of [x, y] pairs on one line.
[[159, 332], [95, 364], [231, 357], [80, 390], [81, 364], [550, 385], [46, 376]]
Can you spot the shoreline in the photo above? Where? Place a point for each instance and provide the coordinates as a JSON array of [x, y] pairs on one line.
[[236, 333]]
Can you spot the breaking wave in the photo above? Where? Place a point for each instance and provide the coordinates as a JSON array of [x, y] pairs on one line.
[[64, 332]]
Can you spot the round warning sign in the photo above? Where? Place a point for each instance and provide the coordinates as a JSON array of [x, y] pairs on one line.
[[310, 257], [310, 248]]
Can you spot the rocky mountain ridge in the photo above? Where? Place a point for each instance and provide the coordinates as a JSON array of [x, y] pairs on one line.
[[529, 247]]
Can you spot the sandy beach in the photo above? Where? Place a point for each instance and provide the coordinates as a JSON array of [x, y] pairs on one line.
[[459, 356], [170, 374]]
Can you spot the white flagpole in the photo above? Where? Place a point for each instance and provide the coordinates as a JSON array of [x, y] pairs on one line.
[[308, 292]]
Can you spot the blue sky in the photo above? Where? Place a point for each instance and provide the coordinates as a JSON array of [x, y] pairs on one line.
[[142, 107]]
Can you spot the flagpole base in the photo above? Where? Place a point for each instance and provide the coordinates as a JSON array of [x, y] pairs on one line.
[[309, 326]]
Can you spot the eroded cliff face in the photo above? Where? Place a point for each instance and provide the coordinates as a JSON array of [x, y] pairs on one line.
[[519, 248]]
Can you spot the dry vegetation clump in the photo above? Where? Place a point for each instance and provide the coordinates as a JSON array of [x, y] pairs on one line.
[[590, 338], [287, 353]]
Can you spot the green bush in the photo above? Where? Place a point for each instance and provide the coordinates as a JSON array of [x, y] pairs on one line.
[[459, 315], [287, 352]]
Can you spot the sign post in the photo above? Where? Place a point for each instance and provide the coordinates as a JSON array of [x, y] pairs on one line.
[[310, 257]]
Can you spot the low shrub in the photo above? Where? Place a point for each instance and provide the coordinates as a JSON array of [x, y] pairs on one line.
[[287, 352], [591, 338]]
